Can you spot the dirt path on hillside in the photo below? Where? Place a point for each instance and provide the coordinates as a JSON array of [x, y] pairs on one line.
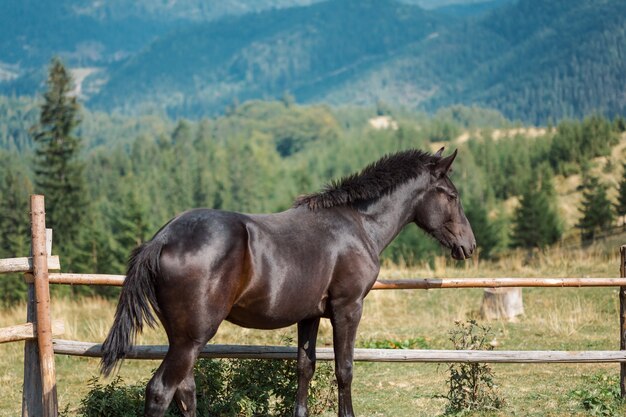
[[497, 134]]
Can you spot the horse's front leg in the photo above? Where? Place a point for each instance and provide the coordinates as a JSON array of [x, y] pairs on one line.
[[345, 320], [307, 336]]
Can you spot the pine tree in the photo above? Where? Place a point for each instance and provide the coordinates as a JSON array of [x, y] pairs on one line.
[[15, 188], [596, 209], [486, 231], [58, 171], [182, 167], [130, 222], [536, 221]]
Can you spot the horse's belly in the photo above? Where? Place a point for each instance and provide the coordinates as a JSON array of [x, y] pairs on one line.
[[259, 321], [263, 314]]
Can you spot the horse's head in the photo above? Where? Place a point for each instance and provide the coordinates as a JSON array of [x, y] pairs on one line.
[[439, 211]]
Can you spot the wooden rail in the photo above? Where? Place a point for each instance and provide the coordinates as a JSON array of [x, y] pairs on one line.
[[87, 279], [433, 283], [28, 331], [402, 284], [76, 348], [26, 264]]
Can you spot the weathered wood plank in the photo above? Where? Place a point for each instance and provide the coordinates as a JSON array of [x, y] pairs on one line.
[[404, 284], [28, 331], [42, 295], [26, 264], [622, 320], [433, 283], [32, 393], [76, 348], [87, 279]]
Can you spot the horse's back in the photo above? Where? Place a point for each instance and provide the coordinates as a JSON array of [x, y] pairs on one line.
[[200, 232]]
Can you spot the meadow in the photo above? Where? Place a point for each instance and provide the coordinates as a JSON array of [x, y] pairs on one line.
[[555, 319]]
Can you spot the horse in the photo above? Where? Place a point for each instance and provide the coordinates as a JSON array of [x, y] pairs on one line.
[[320, 258]]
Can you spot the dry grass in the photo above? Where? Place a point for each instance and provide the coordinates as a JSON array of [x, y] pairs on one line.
[[563, 319]]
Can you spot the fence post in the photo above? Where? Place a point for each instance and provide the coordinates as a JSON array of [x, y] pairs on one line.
[[42, 310], [622, 320], [32, 393]]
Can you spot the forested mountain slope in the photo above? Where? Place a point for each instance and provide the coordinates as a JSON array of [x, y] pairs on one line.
[[532, 60], [201, 69], [566, 58], [140, 171]]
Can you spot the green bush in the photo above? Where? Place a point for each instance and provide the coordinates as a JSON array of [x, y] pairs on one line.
[[13, 290], [114, 399], [600, 397], [471, 385], [226, 388]]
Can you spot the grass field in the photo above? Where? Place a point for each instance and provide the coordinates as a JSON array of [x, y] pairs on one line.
[[555, 319]]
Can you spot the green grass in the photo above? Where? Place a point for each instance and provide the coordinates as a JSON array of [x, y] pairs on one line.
[[555, 319]]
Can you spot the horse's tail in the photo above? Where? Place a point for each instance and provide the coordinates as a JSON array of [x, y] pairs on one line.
[[133, 309]]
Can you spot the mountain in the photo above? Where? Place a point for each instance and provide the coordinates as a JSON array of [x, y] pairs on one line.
[[533, 60], [33, 31], [306, 50], [564, 59], [95, 33]]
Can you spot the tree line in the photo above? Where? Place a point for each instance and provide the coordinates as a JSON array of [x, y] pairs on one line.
[[111, 181]]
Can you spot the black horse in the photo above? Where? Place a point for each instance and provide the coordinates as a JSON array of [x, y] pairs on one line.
[[267, 271]]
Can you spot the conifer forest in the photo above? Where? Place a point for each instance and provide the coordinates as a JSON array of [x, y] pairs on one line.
[[111, 180]]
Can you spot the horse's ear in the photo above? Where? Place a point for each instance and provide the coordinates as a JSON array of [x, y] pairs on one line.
[[439, 153], [443, 165]]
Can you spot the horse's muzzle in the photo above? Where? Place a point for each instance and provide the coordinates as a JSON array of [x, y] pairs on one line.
[[461, 252]]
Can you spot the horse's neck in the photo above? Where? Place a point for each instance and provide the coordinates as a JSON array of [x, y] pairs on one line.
[[384, 218]]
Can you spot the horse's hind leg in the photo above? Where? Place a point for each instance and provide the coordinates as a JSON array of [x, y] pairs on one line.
[[174, 371], [195, 291], [187, 334], [185, 395]]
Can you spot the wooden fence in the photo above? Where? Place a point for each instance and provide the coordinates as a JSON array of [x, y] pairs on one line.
[[39, 391]]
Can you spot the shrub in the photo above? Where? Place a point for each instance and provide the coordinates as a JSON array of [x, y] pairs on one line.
[[114, 399], [600, 397], [227, 388], [471, 385]]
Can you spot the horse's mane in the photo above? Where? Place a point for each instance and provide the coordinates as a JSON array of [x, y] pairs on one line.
[[375, 180]]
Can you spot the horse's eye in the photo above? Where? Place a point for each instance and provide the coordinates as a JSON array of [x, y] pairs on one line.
[[451, 196]]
